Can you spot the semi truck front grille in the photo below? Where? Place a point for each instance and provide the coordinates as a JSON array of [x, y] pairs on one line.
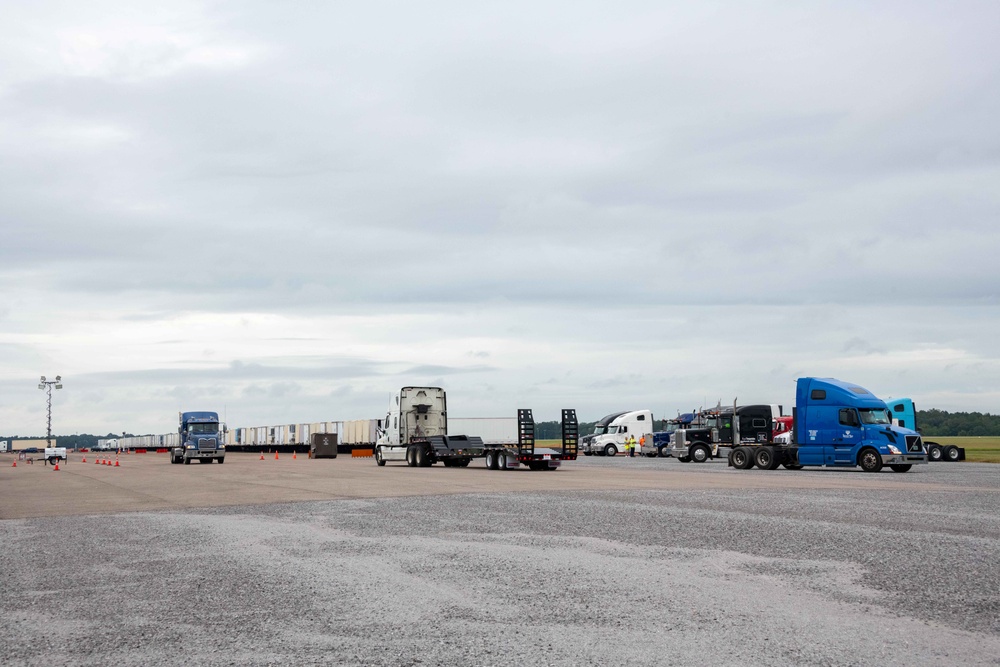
[[913, 443], [206, 443]]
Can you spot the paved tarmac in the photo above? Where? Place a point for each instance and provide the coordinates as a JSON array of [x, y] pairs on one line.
[[607, 561]]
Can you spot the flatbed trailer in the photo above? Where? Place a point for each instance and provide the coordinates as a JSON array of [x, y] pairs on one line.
[[458, 451]]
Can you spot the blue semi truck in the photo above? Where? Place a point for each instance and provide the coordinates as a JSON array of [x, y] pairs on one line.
[[904, 413], [202, 438], [837, 424]]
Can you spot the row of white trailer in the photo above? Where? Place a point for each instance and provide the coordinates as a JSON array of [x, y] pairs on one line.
[[350, 433]]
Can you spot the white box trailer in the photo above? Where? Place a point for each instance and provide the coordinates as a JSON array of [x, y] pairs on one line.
[[492, 430]]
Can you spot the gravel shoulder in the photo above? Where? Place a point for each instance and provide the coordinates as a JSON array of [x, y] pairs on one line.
[[891, 573]]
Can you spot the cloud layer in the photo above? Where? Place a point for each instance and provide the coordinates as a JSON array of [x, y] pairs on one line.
[[289, 212]]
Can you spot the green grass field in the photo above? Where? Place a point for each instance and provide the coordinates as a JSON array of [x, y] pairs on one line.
[[984, 449], [980, 449]]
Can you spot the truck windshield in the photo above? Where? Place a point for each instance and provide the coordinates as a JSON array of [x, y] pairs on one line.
[[875, 416], [204, 428], [600, 430]]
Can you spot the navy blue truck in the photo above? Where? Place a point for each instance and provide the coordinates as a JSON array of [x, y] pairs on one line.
[[202, 438], [839, 424]]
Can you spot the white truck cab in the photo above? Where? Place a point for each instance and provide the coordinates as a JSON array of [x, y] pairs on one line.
[[414, 414], [610, 432]]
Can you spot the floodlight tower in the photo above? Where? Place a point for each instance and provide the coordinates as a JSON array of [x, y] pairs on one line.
[[47, 385]]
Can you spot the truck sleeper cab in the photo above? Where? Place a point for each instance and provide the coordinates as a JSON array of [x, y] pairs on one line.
[[837, 424], [717, 435], [610, 432]]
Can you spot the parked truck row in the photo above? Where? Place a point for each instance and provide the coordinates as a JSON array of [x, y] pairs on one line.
[[834, 423]]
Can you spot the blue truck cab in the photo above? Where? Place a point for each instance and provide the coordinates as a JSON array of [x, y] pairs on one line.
[[841, 424], [202, 438], [836, 424], [904, 413]]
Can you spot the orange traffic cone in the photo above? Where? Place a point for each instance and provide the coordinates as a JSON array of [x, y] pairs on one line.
[[262, 456], [276, 455], [84, 458], [96, 461], [116, 464], [56, 468], [15, 464], [294, 456]]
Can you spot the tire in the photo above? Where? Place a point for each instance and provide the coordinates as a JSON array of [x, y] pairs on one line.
[[610, 450], [53, 460], [663, 452], [421, 458], [501, 461], [870, 460], [588, 453], [700, 453], [491, 460], [901, 467], [464, 463], [764, 459], [187, 461], [221, 460], [378, 457], [740, 459], [683, 459], [950, 453], [791, 466], [933, 451], [410, 460]]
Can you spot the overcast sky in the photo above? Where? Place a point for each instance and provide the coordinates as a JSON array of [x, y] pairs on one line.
[[284, 211]]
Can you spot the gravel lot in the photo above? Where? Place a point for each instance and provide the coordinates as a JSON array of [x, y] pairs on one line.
[[720, 576]]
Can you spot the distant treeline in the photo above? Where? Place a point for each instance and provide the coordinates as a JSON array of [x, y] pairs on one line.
[[942, 423]]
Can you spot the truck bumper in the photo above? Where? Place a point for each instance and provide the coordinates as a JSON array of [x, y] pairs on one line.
[[205, 453], [903, 459]]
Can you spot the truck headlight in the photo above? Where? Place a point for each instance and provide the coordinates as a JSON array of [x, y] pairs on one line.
[[894, 449], [189, 446]]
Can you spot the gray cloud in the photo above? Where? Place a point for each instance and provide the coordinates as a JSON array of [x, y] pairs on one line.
[[642, 204]]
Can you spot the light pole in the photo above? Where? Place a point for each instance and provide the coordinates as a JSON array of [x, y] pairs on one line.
[[47, 386]]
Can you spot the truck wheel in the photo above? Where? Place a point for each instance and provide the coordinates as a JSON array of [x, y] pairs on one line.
[[901, 467], [187, 462], [700, 453], [491, 460], [464, 463], [870, 460], [664, 452], [410, 461], [683, 459], [792, 466], [764, 458], [933, 451], [420, 456], [221, 460], [502, 461], [610, 450], [378, 456], [740, 459], [950, 453], [587, 453]]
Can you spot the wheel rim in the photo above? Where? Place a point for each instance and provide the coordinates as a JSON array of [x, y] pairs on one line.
[[868, 460], [739, 459], [699, 455], [763, 459]]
